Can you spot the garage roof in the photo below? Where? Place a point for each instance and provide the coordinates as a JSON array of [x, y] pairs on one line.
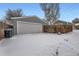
[[34, 19]]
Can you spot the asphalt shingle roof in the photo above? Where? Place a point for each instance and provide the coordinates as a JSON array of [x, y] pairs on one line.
[[34, 19]]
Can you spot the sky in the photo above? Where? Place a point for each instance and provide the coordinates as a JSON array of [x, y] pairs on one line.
[[68, 11]]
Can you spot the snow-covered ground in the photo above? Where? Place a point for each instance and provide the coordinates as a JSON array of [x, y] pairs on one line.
[[41, 44]]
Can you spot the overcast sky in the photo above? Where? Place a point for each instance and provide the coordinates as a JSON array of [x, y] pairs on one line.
[[67, 11]]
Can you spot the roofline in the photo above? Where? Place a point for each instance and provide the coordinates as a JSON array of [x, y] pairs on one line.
[[23, 17], [65, 21]]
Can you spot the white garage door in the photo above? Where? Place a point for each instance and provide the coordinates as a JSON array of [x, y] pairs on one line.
[[28, 27]]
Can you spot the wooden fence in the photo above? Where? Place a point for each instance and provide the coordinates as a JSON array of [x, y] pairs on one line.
[[1, 30], [57, 28]]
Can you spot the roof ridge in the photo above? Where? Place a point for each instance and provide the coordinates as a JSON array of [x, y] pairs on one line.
[[22, 17]]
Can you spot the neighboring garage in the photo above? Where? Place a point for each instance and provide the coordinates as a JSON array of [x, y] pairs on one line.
[[25, 25]]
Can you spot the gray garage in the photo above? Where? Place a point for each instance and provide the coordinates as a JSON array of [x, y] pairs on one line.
[[25, 25]]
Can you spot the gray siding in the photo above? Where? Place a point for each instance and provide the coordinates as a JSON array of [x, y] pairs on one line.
[[25, 19], [15, 27]]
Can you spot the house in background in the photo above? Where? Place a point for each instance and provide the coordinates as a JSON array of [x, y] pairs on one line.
[[26, 24], [76, 23]]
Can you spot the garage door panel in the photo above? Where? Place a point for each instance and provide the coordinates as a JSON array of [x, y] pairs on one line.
[[28, 27]]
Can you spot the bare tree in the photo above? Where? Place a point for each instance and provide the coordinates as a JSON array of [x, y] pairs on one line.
[[46, 10], [13, 13], [51, 11]]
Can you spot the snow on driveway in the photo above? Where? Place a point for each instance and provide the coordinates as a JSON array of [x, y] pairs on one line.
[[41, 44]]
